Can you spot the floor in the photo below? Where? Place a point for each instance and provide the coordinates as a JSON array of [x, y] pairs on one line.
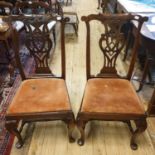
[[102, 138]]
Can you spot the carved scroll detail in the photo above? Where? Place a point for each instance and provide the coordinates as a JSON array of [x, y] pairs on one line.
[[39, 43], [111, 43]]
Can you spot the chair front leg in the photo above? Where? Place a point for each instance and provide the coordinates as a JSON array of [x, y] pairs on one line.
[[81, 126], [70, 125], [141, 127], [11, 126]]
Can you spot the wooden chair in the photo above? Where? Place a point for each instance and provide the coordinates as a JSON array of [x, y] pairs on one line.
[[109, 96], [44, 96], [72, 16]]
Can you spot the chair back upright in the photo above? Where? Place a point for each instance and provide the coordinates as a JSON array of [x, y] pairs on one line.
[[111, 42], [40, 44]]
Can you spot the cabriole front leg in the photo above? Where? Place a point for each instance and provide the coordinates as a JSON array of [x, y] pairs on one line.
[[141, 127], [70, 125], [11, 126], [81, 126]]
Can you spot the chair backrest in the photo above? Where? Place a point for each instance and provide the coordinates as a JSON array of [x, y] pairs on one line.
[[40, 43], [32, 7], [111, 41], [5, 8]]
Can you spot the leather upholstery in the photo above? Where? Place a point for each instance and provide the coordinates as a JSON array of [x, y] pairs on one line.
[[40, 95], [111, 96]]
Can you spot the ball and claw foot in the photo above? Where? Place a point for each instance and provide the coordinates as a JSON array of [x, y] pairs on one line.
[[18, 145], [80, 142], [134, 146]]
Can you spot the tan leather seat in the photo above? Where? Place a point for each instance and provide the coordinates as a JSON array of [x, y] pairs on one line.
[[111, 96], [40, 95]]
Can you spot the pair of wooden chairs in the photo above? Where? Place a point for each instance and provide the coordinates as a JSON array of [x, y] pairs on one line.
[[107, 95]]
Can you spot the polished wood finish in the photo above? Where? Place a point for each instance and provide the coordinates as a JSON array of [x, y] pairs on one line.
[[111, 43], [40, 44], [102, 137]]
